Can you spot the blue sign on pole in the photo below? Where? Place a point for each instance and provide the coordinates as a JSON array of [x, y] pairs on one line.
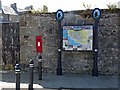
[[96, 14], [59, 15]]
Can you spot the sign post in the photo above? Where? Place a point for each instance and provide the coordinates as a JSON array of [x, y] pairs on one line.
[[96, 16], [59, 17]]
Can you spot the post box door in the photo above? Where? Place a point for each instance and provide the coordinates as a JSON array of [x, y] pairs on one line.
[[39, 44]]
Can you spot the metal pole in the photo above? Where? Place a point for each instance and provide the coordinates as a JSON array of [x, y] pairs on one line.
[[39, 67], [40, 70], [17, 72], [31, 74], [95, 49], [59, 67]]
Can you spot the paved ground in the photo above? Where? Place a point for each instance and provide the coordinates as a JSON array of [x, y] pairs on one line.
[[64, 81]]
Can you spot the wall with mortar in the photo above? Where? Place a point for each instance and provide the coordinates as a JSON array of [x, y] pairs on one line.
[[39, 25], [0, 43], [46, 26]]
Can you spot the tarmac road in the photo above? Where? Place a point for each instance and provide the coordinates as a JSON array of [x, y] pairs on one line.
[[64, 82]]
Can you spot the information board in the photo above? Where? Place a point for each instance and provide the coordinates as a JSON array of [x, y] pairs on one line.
[[78, 37]]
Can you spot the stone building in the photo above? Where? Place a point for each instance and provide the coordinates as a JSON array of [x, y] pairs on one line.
[[8, 14], [8, 29]]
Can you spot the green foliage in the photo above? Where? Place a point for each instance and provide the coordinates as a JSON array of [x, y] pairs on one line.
[[35, 11], [86, 6], [45, 9], [111, 6], [39, 10]]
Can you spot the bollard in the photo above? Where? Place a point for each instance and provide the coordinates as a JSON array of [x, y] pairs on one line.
[[17, 72], [31, 62], [39, 67]]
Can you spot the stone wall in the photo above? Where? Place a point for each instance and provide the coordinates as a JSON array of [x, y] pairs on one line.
[[108, 43], [41, 25], [0, 43], [45, 25], [10, 43]]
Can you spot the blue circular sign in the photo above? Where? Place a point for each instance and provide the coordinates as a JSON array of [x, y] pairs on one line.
[[96, 13], [59, 15]]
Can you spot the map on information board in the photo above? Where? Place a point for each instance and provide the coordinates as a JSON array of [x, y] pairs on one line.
[[78, 37]]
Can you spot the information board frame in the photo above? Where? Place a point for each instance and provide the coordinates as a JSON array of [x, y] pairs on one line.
[[78, 50]]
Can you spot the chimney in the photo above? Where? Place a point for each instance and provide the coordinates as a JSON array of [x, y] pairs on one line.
[[14, 6]]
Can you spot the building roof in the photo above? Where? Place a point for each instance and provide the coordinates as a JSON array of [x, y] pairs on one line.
[[8, 10], [21, 10]]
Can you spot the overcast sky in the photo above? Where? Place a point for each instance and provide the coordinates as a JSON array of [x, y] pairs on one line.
[[65, 5]]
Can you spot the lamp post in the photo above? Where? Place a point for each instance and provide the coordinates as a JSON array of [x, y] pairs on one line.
[[59, 17]]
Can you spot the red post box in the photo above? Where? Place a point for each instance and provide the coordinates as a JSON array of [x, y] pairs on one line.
[[39, 44]]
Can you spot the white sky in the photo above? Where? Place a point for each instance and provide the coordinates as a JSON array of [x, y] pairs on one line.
[[65, 5]]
